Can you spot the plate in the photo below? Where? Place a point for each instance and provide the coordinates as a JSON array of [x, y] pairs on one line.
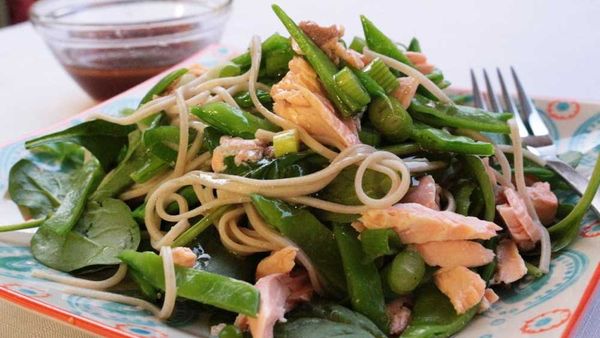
[[548, 307]]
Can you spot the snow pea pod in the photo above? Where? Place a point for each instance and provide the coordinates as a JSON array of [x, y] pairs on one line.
[[320, 62], [462, 196], [244, 100], [232, 121], [430, 138], [477, 170], [304, 229], [162, 85], [380, 43], [441, 114], [434, 316], [379, 242], [414, 45], [276, 54], [201, 286], [362, 277]]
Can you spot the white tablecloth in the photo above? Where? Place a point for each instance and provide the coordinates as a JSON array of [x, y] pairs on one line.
[[554, 45]]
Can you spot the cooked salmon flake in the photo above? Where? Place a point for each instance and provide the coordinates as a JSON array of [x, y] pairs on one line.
[[462, 286]]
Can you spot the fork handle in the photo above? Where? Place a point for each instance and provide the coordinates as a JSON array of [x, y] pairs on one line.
[[574, 179]]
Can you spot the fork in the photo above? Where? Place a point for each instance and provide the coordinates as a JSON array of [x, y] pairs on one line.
[[532, 127]]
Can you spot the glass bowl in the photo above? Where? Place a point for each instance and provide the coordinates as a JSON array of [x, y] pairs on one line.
[[108, 46]]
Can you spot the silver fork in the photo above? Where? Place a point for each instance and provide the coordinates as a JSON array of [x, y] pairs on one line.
[[531, 127]]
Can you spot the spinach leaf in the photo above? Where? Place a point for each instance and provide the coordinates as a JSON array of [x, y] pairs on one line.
[[336, 313], [104, 230], [434, 316], [214, 257], [291, 165], [119, 178], [319, 328], [341, 189], [37, 189], [63, 157], [162, 142], [102, 138], [80, 186]]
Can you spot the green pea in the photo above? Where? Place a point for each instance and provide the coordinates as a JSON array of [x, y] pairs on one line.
[[230, 331], [389, 118], [405, 272]]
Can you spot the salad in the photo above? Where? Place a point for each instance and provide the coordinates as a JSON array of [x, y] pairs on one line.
[[310, 187]]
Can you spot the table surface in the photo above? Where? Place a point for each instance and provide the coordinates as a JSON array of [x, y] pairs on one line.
[[554, 45]]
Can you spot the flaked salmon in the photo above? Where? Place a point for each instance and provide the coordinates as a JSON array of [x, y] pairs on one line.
[[280, 261], [183, 256], [489, 298], [399, 314], [447, 254], [511, 266], [328, 39], [544, 201], [406, 91], [420, 62], [242, 151], [518, 221], [299, 98], [427, 193], [278, 294], [415, 223], [462, 286]]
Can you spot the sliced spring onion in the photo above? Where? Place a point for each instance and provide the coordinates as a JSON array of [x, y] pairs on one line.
[[286, 142], [358, 44], [354, 95], [382, 75]]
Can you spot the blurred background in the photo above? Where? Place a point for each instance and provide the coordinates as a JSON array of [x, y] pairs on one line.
[[554, 45]]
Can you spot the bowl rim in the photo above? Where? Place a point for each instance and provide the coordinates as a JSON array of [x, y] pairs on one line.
[[47, 20]]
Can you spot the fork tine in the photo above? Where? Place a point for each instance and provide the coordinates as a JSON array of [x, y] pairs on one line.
[[493, 99], [510, 105], [477, 97], [531, 117]]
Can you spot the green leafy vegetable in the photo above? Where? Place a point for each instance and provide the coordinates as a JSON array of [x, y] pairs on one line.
[[341, 189], [290, 165], [201, 286], [103, 139], [104, 230], [72, 204], [434, 316], [336, 313], [319, 328]]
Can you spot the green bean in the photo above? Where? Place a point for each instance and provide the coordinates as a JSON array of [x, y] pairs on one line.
[[434, 139], [232, 121], [380, 43], [362, 277], [462, 197], [441, 114], [320, 62], [390, 119], [405, 272], [244, 100], [414, 45], [201, 286], [478, 171], [403, 149]]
